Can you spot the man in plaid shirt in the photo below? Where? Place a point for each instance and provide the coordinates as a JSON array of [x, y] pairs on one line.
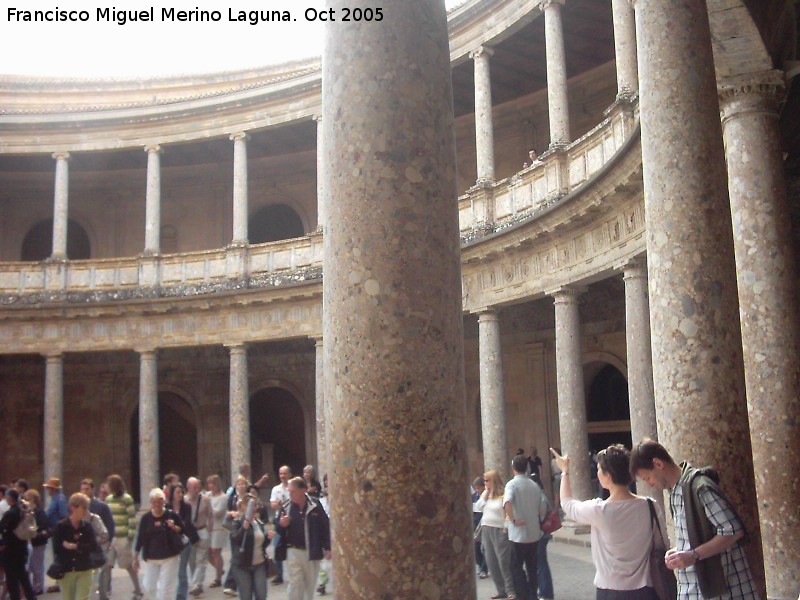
[[706, 518]]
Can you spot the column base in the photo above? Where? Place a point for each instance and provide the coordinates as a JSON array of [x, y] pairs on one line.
[[237, 261], [55, 272], [149, 270]]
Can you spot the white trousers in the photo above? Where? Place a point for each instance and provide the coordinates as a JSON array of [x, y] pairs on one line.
[[301, 574], [161, 578], [198, 560]]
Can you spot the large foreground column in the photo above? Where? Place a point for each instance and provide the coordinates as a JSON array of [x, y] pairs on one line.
[[493, 402], [323, 451], [148, 424], [768, 307], [239, 409], [697, 345], [571, 395], [54, 417], [393, 356]]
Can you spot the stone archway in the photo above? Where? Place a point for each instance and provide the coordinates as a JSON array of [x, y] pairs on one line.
[[607, 408], [277, 431], [38, 242], [177, 439], [275, 222]]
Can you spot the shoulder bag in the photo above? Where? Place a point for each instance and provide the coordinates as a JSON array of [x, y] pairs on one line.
[[663, 579]]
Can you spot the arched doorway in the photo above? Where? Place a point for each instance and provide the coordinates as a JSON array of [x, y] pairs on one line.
[[177, 439], [277, 431], [275, 222], [607, 409], [38, 242]]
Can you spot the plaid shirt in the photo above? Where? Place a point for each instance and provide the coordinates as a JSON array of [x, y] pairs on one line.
[[734, 563]]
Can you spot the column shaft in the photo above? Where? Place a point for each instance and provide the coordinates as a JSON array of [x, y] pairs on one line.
[[493, 403], [571, 395], [148, 424], [625, 48], [152, 228], [61, 206], [484, 128], [697, 352], [557, 102], [239, 409], [765, 266], [54, 417], [240, 234], [323, 452], [393, 353], [321, 179]]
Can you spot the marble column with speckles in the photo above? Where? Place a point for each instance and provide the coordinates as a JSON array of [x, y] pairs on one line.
[[556, 59], [149, 476], [54, 416], [152, 226], [572, 422], [698, 372], [239, 409], [768, 308], [641, 397], [493, 403], [625, 48], [320, 175], [392, 323], [321, 411], [484, 127], [239, 189], [61, 206]]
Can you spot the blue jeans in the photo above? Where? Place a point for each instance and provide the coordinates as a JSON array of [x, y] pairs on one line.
[[278, 563], [543, 568], [251, 582], [183, 573]]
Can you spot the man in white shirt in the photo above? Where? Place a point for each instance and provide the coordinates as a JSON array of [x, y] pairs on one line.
[[280, 494], [524, 508]]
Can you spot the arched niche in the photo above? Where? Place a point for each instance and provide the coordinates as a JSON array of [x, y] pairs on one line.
[[38, 242], [277, 431], [275, 222]]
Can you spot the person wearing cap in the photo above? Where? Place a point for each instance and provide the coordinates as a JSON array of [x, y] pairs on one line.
[[57, 507]]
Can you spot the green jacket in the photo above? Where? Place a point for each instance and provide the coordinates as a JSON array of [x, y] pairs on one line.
[[123, 510]]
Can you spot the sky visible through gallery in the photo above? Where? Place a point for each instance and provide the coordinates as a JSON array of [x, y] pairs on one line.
[[89, 39]]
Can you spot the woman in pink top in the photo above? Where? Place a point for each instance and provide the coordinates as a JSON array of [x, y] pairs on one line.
[[622, 532]]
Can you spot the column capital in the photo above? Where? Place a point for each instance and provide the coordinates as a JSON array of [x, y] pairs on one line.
[[317, 117], [239, 135], [236, 347], [566, 294], [149, 148], [481, 51], [755, 92], [146, 353], [487, 314], [53, 355], [318, 340], [545, 4], [633, 268], [61, 155]]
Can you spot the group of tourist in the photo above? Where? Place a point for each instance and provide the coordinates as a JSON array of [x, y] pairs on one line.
[[167, 552], [708, 560]]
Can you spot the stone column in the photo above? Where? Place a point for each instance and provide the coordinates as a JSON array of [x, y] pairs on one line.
[[320, 175], [239, 409], [152, 228], [54, 417], [557, 102], [392, 324], [768, 307], [149, 475], [323, 452], [696, 340], [484, 129], [493, 402], [640, 361], [240, 237], [625, 49], [571, 394], [61, 206]]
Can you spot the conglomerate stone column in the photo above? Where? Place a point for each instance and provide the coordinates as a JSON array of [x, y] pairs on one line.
[[557, 102], [640, 361], [392, 325], [61, 206], [54, 416], [239, 189], [697, 351], [493, 403], [148, 423], [152, 226], [625, 48], [320, 174], [768, 307], [484, 128], [239, 409], [323, 452], [571, 396]]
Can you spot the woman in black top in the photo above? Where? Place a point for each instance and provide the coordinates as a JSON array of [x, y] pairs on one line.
[[15, 554], [160, 544], [73, 541], [249, 541]]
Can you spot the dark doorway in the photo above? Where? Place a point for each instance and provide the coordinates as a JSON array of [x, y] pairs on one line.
[[607, 409], [277, 431], [38, 242], [275, 222], [177, 440]]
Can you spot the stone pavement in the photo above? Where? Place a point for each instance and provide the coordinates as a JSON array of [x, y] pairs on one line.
[[571, 566]]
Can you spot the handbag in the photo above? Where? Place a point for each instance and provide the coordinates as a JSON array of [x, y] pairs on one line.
[[664, 582], [478, 532], [97, 558], [551, 522], [55, 571]]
